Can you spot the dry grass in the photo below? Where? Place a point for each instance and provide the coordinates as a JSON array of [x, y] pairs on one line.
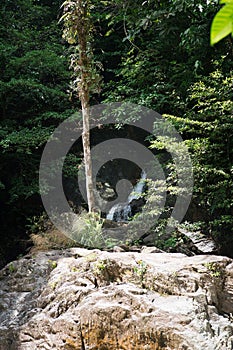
[[51, 239]]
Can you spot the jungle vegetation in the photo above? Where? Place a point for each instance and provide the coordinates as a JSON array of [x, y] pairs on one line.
[[153, 53]]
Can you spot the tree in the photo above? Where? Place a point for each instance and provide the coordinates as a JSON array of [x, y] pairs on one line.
[[78, 30]]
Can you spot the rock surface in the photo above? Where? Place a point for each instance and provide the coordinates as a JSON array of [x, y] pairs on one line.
[[204, 244], [90, 299]]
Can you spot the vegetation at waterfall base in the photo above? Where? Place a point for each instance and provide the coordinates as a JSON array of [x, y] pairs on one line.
[[155, 54]]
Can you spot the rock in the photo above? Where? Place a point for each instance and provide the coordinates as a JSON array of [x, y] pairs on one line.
[[147, 250], [97, 300], [136, 205], [111, 224], [204, 244], [105, 191], [119, 249]]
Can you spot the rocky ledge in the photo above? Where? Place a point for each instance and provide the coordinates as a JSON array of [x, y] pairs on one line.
[[91, 299]]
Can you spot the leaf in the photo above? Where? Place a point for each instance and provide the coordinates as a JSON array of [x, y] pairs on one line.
[[222, 24]]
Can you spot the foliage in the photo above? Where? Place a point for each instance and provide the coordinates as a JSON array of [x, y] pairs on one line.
[[87, 230], [33, 99], [52, 264], [221, 229], [153, 53], [11, 267], [140, 270], [207, 128], [222, 24], [214, 269], [192, 87], [38, 224], [100, 266], [78, 32], [149, 74]]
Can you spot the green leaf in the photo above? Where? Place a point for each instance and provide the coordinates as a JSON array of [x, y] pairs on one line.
[[222, 24]]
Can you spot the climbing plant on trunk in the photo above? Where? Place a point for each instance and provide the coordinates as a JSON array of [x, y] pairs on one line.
[[78, 32]]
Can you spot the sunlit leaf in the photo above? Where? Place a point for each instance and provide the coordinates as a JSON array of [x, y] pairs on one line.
[[222, 24]]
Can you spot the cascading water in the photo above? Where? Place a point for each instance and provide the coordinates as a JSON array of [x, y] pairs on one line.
[[122, 211], [119, 212], [138, 188]]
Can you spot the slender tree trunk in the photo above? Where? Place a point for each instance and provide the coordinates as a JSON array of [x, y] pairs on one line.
[[84, 95], [78, 31], [87, 153]]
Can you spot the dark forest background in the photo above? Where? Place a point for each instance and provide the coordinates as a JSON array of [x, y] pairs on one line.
[[153, 53]]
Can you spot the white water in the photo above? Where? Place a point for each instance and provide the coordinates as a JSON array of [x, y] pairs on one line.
[[122, 211], [119, 212], [138, 188]]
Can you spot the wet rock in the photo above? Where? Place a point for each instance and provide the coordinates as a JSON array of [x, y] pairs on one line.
[[91, 299]]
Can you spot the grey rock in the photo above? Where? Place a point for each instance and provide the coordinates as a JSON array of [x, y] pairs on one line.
[[148, 250], [92, 299], [204, 244]]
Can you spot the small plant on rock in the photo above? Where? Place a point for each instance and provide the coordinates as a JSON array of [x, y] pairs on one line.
[[52, 264], [140, 270], [213, 268], [11, 267]]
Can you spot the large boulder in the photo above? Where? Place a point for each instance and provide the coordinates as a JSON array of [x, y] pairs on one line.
[[90, 299]]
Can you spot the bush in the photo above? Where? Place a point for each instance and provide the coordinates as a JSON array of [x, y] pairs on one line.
[[87, 230]]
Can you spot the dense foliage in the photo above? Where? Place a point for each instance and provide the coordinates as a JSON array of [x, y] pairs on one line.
[[171, 68], [153, 53], [33, 95]]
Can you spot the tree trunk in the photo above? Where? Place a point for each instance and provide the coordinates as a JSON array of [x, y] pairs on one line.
[[84, 95], [78, 30], [87, 153]]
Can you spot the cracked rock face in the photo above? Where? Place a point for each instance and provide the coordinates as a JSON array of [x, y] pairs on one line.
[[89, 299]]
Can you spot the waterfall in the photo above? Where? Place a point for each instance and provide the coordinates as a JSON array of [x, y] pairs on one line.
[[138, 188], [119, 212], [122, 211]]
